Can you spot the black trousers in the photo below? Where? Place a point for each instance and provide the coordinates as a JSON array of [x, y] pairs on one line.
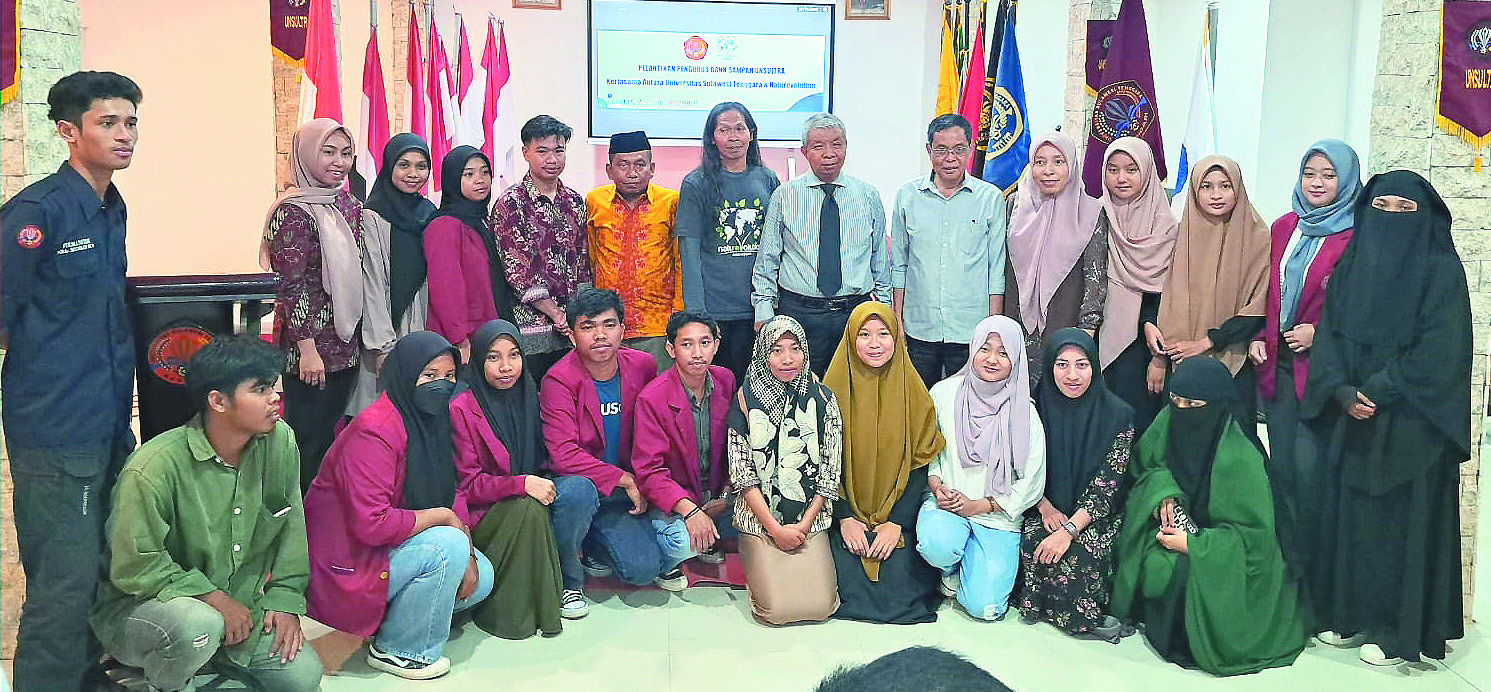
[[737, 337], [822, 321], [61, 503], [936, 360], [313, 414], [538, 364]]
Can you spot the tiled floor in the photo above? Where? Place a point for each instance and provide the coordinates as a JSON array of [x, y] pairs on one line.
[[704, 639]]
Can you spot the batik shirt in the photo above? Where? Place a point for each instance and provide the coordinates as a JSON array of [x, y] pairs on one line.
[[544, 253]]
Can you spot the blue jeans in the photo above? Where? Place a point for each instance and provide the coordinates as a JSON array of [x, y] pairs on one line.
[[639, 547], [424, 573], [571, 514], [987, 559]]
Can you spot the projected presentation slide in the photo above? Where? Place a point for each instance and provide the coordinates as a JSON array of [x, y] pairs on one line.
[[661, 65]]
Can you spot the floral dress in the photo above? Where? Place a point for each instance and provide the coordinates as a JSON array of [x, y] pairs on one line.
[[1073, 593]]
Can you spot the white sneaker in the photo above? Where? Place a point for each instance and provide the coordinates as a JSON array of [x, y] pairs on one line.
[[1330, 638], [713, 556], [1373, 654], [406, 668], [572, 604], [950, 583], [672, 580]]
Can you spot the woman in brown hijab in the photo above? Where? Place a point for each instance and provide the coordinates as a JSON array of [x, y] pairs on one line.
[[312, 239], [1057, 274], [890, 436], [1141, 239], [1213, 301]]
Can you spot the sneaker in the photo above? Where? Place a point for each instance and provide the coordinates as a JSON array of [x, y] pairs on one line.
[[672, 580], [1373, 654], [1330, 638], [713, 556], [572, 604], [595, 568], [408, 669], [950, 584]]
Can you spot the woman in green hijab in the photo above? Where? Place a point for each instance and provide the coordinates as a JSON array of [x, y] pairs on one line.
[[1198, 559]]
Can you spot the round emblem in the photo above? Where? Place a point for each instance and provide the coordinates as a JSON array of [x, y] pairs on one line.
[[1122, 110], [171, 349], [29, 237], [1005, 125], [695, 48], [1479, 39]]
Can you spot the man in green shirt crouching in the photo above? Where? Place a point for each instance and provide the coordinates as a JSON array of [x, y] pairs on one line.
[[207, 548]]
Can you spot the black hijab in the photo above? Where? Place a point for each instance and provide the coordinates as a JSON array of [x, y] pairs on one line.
[[429, 460], [512, 412], [474, 215], [408, 213], [1195, 432], [1079, 432]]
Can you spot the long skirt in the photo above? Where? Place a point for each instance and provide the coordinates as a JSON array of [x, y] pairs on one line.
[[1127, 376], [789, 587], [1392, 569], [906, 592], [1293, 465], [517, 537], [1073, 593]]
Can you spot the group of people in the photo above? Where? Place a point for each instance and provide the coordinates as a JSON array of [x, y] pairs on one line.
[[487, 401]]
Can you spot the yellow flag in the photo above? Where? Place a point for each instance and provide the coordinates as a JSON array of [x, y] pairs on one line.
[[948, 81]]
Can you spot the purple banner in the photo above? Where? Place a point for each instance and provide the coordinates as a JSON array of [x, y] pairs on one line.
[[1465, 72], [1125, 104], [287, 24], [1099, 37]]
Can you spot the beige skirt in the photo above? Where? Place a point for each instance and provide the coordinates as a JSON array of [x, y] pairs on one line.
[[799, 586]]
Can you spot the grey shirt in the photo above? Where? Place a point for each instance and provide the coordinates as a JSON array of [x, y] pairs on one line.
[[719, 231], [943, 249], [700, 408], [789, 243]]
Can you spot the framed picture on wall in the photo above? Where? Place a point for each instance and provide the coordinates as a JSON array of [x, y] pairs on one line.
[[536, 4], [865, 9]]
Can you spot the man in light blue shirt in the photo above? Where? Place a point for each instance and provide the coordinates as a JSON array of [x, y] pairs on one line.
[[823, 249], [947, 234]]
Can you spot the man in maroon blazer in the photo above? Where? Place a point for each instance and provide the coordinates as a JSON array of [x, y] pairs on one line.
[[678, 449], [586, 402]]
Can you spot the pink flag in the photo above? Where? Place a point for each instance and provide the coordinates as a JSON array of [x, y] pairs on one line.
[[470, 88], [320, 87], [414, 101], [971, 103], [441, 107], [499, 124], [374, 118]]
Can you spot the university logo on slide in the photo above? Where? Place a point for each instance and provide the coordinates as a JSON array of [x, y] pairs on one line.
[[171, 349], [1122, 110], [1005, 124], [695, 48]]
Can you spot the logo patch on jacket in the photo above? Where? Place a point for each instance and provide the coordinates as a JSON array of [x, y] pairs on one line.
[[29, 237]]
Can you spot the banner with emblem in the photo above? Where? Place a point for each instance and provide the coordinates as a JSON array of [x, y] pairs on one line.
[[10, 58], [1465, 72], [1008, 144], [1125, 105], [287, 24]]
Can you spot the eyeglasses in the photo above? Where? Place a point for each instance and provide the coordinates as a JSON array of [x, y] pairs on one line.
[[959, 151]]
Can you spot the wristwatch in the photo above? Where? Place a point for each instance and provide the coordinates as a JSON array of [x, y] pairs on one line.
[[1070, 528]]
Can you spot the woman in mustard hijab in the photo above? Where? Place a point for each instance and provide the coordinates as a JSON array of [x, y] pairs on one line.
[[890, 436]]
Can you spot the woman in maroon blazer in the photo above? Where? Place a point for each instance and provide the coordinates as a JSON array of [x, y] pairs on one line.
[[1307, 242], [499, 457], [390, 556]]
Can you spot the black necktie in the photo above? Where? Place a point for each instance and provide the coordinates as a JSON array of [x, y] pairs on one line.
[[830, 273]]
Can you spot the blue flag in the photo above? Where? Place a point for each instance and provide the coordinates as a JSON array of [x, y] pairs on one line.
[[1009, 134]]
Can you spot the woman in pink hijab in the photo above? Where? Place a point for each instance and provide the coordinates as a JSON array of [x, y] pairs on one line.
[[1058, 255], [312, 240]]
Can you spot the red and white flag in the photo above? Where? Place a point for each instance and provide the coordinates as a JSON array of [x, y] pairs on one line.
[[499, 120], [374, 119], [470, 85], [320, 86], [414, 86], [442, 115]]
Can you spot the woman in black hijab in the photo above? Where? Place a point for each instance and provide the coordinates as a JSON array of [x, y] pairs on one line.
[[499, 456], [467, 285], [388, 511], [395, 296], [1388, 393], [1066, 551]]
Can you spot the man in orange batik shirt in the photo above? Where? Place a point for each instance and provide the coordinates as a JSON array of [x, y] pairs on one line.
[[632, 246]]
